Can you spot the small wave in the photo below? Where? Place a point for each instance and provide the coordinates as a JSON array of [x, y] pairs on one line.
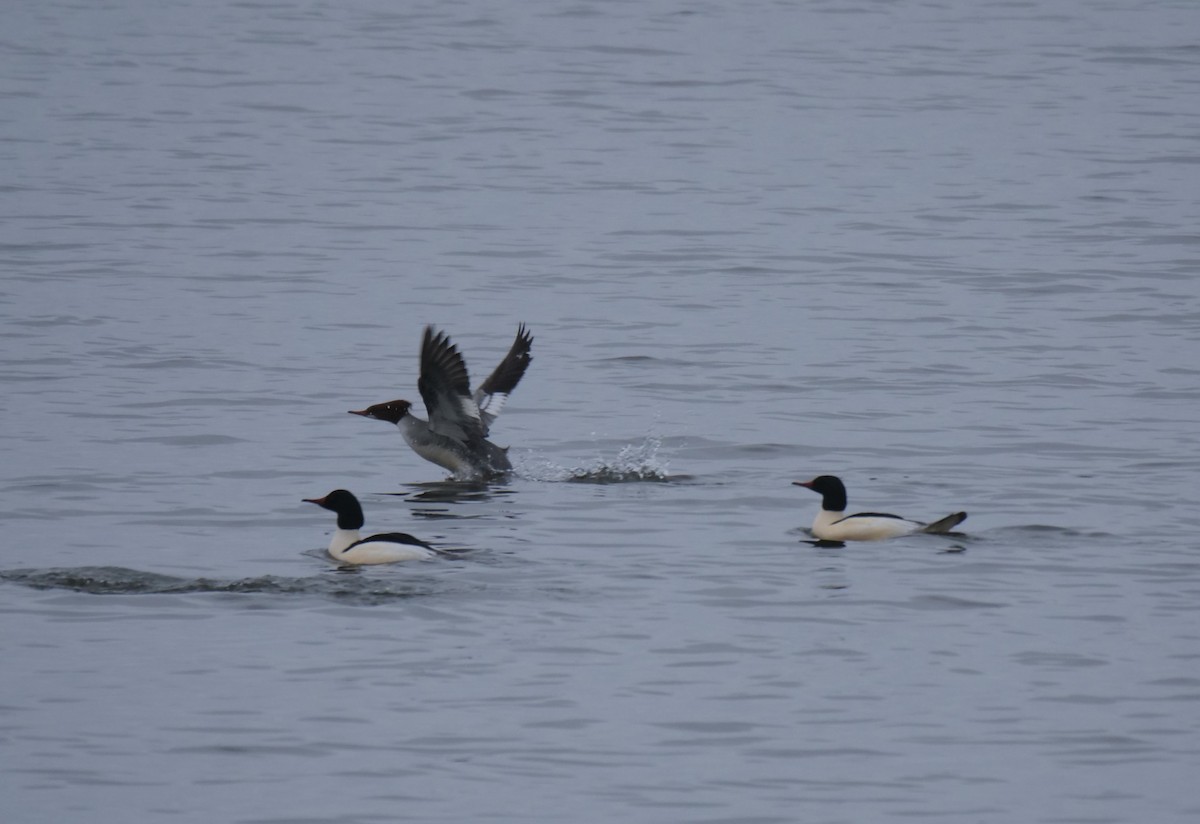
[[98, 580], [342, 584], [950, 602], [1048, 530]]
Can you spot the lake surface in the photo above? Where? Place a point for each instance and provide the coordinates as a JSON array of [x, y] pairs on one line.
[[948, 252]]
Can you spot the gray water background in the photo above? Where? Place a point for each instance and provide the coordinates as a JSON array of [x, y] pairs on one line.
[[946, 251]]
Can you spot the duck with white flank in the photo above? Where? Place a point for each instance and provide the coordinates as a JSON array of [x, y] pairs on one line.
[[455, 436], [833, 524], [348, 547]]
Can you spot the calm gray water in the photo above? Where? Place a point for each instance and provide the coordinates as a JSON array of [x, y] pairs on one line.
[[946, 251]]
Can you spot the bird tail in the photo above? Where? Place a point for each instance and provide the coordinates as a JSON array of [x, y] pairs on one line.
[[944, 525]]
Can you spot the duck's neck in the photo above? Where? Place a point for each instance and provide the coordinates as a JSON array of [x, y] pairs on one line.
[[342, 540], [825, 517]]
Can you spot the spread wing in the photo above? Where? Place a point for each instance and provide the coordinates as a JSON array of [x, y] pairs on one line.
[[492, 394], [446, 389]]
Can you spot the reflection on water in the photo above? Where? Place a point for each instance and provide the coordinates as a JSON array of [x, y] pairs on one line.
[[452, 491]]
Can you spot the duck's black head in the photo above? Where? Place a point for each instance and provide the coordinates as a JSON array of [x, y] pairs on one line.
[[392, 411], [831, 489], [349, 512]]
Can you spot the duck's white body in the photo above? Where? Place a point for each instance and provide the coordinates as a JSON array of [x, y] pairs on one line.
[[836, 526], [833, 524], [349, 547]]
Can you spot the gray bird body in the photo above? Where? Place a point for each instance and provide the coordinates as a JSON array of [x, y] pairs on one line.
[[455, 434]]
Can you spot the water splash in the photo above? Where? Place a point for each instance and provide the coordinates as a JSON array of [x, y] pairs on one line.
[[635, 463]]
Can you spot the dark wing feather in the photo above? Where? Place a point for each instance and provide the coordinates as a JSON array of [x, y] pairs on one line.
[[446, 389], [944, 525], [871, 515], [493, 392], [392, 538]]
